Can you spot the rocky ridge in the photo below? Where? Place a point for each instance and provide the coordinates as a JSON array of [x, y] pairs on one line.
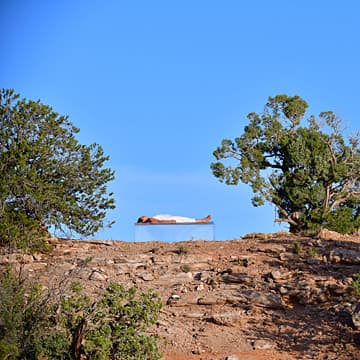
[[265, 296]]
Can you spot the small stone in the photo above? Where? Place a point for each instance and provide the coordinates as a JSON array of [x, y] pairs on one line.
[[280, 275], [53, 240], [312, 261], [4, 260], [196, 351], [241, 278], [26, 259], [121, 268], [96, 276], [283, 290], [173, 299], [338, 290], [232, 357], [200, 287], [146, 276], [271, 301], [227, 318], [322, 298], [37, 256], [355, 316], [210, 300], [286, 256], [197, 276], [262, 345]]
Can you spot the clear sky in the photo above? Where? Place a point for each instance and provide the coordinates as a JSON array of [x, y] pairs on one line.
[[159, 84]]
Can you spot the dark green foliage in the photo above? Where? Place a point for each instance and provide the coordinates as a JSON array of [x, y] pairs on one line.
[[311, 174], [297, 248], [356, 284], [47, 179], [38, 325], [115, 324], [23, 314], [185, 268], [181, 250], [345, 219]]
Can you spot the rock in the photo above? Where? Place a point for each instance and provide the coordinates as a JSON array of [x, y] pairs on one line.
[[286, 256], [193, 315], [325, 234], [97, 276], [197, 351], [53, 240], [198, 275], [26, 259], [3, 259], [146, 276], [121, 268], [38, 256], [241, 278], [181, 278], [283, 290], [262, 345], [210, 300], [312, 261], [338, 290], [232, 357], [37, 266], [200, 287], [20, 258], [280, 275], [173, 299], [271, 301], [275, 249], [228, 318], [355, 316], [346, 256]]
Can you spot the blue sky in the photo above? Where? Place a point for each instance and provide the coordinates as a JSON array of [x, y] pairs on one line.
[[159, 84]]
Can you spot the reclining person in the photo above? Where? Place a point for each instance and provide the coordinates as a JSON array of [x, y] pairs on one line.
[[164, 218]]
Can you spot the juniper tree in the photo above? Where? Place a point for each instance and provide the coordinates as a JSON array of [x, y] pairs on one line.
[[310, 173], [47, 178]]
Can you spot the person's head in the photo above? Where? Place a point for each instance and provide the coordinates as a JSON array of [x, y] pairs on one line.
[[142, 219]]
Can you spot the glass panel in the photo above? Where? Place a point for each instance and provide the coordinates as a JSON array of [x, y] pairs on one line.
[[174, 232]]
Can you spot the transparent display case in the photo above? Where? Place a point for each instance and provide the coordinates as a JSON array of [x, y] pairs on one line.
[[173, 232]]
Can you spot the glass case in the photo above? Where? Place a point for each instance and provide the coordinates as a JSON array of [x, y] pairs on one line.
[[173, 232]]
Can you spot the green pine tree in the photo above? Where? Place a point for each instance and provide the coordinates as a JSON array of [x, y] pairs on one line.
[[310, 173], [47, 178]]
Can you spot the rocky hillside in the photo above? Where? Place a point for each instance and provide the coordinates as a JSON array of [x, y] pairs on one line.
[[267, 297]]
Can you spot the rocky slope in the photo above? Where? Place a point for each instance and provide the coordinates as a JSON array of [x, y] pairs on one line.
[[268, 297]]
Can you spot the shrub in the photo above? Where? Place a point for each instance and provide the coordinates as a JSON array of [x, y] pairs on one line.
[[181, 250], [356, 284], [39, 325]]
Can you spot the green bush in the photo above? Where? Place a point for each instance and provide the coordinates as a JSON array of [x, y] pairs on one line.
[[356, 284], [181, 250], [68, 325], [23, 315], [297, 247]]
